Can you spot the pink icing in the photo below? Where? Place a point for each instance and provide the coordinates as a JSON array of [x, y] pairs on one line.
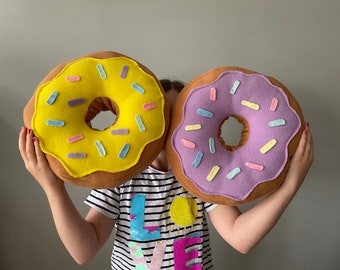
[[254, 88]]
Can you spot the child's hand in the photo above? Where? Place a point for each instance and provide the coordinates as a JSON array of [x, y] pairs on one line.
[[301, 161], [35, 160]]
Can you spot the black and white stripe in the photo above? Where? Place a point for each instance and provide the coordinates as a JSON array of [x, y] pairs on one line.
[[160, 189]]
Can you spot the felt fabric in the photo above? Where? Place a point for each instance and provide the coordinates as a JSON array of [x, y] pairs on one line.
[[205, 164], [72, 94]]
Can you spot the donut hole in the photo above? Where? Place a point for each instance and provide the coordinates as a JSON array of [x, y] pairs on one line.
[[102, 113], [233, 132]]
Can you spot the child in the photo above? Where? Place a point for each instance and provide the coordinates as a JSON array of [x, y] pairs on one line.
[[151, 233]]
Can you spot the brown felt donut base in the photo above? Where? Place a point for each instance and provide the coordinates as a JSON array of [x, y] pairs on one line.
[[260, 190], [101, 179]]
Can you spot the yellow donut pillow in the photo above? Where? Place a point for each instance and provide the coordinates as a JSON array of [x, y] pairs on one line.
[[69, 98]]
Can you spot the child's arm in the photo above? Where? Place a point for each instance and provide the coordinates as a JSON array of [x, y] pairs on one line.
[[244, 230], [83, 238]]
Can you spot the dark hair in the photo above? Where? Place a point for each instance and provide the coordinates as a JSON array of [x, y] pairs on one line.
[[168, 85]]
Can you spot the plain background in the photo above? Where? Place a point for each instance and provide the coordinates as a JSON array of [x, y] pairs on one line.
[[295, 41]]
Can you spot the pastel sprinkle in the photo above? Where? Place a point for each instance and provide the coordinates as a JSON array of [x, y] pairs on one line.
[[55, 123], [213, 94], [138, 88], [233, 173], [149, 106], [277, 122], [75, 138], [124, 151], [100, 148], [76, 155], [76, 102], [140, 123], [124, 71], [188, 143], [205, 113], [52, 98], [274, 104], [192, 127], [234, 88], [121, 131], [212, 145], [254, 166], [269, 145], [251, 105], [101, 71], [213, 173], [197, 160], [73, 78]]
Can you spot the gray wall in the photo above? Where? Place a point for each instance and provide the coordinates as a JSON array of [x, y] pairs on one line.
[[296, 41]]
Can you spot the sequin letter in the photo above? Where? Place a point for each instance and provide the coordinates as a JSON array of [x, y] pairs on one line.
[[139, 259], [138, 231], [182, 255]]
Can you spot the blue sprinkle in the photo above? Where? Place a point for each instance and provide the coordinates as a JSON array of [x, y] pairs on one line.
[[101, 71], [205, 113], [138, 88], [52, 98], [124, 151], [198, 159], [55, 123]]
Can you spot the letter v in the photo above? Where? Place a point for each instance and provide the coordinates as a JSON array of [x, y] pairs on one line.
[[139, 259]]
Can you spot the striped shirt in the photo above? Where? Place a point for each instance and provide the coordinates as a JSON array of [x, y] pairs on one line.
[[159, 225]]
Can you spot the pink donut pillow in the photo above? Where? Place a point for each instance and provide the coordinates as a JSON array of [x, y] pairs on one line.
[[205, 164]]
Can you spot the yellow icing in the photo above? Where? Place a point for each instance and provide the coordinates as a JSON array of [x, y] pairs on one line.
[[94, 84]]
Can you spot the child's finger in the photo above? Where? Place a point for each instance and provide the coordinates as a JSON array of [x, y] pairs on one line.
[[300, 150], [22, 143], [30, 148], [40, 156], [309, 149]]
